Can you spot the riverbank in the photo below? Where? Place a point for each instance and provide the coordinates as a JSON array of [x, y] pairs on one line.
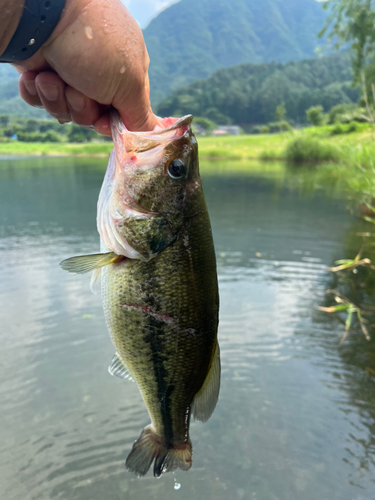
[[218, 148], [242, 147]]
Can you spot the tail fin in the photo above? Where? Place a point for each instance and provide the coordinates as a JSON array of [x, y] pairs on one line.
[[149, 447]]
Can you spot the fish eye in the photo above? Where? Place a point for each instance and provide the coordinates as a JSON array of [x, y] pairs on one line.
[[177, 169]]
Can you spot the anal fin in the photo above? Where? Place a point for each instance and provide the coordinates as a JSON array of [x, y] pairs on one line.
[[118, 368], [206, 398]]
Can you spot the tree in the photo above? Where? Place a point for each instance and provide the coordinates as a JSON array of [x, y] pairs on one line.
[[32, 125], [352, 22], [315, 115], [204, 123], [81, 134], [280, 112], [4, 120]]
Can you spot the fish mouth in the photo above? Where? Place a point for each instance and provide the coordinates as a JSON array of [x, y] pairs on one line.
[[167, 130]]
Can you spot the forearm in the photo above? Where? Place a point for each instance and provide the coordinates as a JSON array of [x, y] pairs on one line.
[[11, 12]]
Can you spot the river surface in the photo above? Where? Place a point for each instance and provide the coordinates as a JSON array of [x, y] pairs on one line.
[[296, 414]]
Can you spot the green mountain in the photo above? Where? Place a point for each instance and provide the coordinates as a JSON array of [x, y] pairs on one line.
[[193, 38], [10, 101], [7, 73], [248, 94]]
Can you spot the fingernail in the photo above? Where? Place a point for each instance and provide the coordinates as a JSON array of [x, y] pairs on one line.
[[49, 90], [30, 87], [75, 101]]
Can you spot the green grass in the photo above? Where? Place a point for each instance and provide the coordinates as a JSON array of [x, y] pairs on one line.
[[243, 147], [210, 148], [56, 149]]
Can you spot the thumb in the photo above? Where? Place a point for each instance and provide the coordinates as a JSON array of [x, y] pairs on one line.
[[136, 112]]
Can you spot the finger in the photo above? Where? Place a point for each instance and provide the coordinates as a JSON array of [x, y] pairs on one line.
[[135, 110], [27, 89], [84, 111], [103, 125], [51, 91]]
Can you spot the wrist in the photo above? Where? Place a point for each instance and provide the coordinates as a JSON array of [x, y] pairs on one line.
[[72, 10], [36, 24], [10, 17]]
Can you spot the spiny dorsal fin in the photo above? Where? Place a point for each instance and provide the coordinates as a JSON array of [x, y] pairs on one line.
[[86, 263], [206, 398], [117, 368]]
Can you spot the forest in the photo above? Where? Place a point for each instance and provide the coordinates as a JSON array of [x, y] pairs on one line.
[[248, 94]]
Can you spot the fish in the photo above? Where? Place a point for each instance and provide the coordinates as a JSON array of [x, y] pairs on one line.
[[157, 270]]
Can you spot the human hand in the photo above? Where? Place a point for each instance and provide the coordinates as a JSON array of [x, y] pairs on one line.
[[95, 58]]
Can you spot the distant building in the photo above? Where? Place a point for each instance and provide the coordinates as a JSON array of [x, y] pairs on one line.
[[227, 130]]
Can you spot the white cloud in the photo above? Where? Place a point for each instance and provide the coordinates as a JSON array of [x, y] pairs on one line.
[[145, 10]]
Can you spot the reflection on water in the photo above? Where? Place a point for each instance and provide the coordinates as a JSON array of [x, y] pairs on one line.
[[296, 415]]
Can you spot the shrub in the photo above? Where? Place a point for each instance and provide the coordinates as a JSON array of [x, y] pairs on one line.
[[315, 115], [51, 136], [341, 128], [338, 129], [257, 129], [285, 126], [340, 112], [353, 127], [309, 149], [264, 129], [282, 126]]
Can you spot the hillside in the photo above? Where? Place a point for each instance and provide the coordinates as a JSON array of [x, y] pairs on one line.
[[10, 101], [249, 93], [193, 38]]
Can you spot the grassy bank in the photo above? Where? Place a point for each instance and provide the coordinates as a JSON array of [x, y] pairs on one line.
[[55, 148], [220, 148], [242, 147]]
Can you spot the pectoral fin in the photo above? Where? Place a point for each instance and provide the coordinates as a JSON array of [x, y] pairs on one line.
[[206, 398], [86, 263]]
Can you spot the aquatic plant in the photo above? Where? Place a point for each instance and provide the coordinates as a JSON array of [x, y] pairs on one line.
[[350, 306], [344, 304]]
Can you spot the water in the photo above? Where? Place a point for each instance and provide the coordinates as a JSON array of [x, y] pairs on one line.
[[296, 415]]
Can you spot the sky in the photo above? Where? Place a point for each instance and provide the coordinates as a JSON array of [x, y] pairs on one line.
[[145, 10]]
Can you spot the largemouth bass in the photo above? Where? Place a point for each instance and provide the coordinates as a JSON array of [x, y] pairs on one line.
[[159, 285]]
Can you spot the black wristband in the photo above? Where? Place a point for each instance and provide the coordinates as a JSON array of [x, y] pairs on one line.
[[39, 19]]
